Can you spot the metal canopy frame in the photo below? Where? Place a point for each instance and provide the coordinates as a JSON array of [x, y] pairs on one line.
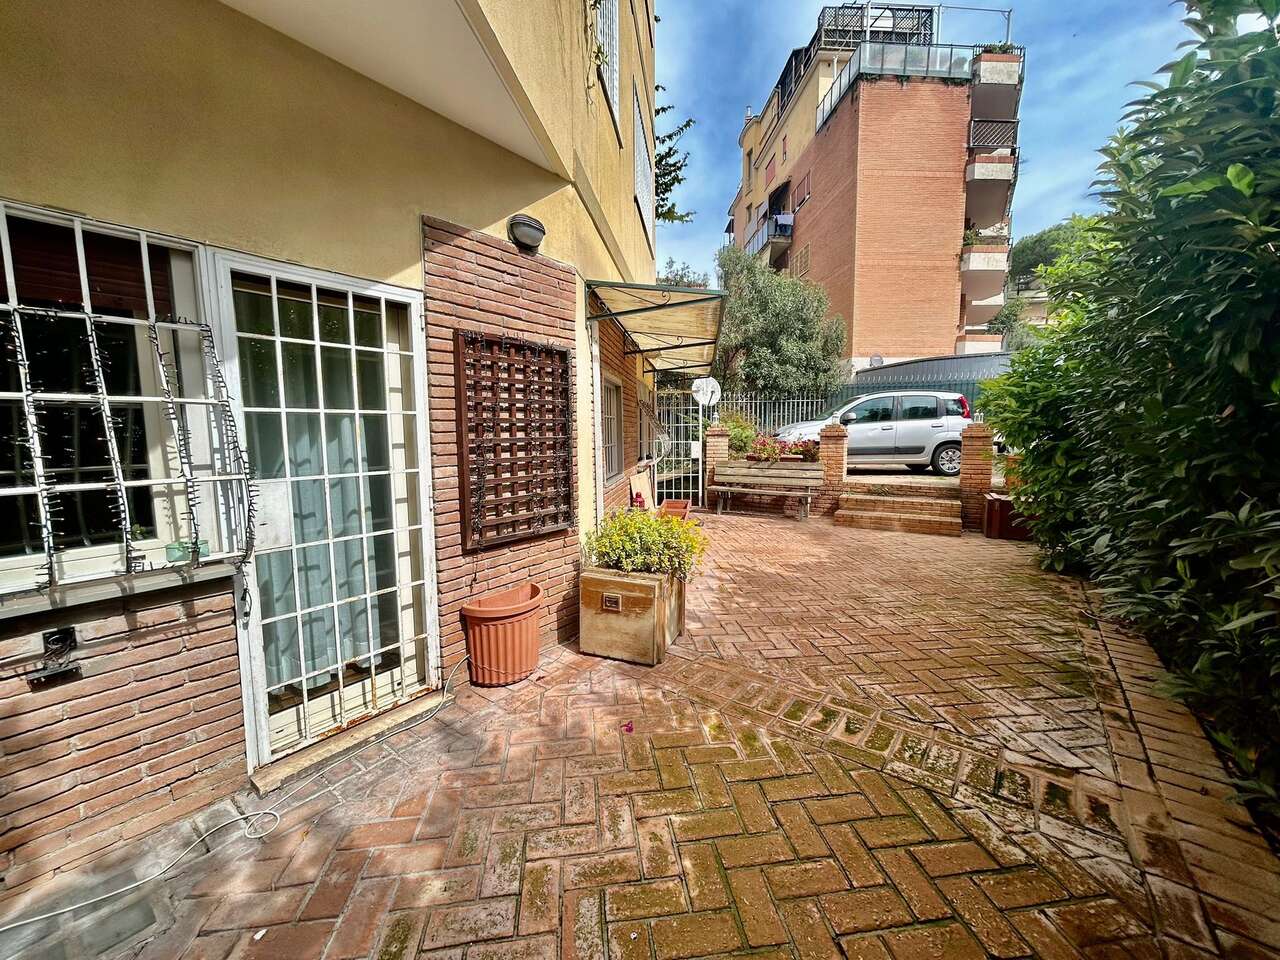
[[673, 328]]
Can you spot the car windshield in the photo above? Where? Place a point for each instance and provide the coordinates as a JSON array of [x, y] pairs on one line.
[[835, 408]]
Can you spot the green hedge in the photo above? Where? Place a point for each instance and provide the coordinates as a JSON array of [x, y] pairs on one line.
[[1149, 418]]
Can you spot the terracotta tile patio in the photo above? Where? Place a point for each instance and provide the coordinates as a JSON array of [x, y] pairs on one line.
[[871, 745]]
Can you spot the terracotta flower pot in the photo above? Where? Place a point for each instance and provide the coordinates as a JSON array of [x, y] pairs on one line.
[[502, 635]]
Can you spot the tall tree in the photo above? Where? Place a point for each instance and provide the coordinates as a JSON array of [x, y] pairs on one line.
[[776, 338], [1042, 248], [669, 165]]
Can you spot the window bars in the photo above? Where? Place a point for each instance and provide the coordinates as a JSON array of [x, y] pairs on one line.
[[109, 454], [643, 170], [515, 438]]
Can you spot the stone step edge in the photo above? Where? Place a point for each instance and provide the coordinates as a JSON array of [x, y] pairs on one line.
[[948, 526], [891, 489], [922, 505]]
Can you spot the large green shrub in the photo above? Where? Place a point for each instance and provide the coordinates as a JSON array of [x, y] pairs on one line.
[[637, 541], [1149, 419], [776, 339]]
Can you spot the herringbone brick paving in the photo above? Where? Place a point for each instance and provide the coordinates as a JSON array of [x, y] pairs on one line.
[[837, 760]]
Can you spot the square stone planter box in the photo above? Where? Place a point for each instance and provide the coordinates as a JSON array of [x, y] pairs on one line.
[[629, 616]]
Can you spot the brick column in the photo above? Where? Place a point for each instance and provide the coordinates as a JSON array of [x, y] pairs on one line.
[[715, 449], [833, 448], [975, 473]]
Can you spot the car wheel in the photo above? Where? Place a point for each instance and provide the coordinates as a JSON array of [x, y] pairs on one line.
[[917, 467], [946, 459]]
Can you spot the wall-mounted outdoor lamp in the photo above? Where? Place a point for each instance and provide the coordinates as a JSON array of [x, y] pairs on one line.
[[526, 232]]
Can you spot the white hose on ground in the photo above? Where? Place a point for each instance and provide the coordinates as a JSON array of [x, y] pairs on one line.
[[250, 830]]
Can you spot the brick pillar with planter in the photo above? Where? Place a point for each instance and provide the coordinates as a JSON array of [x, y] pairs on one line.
[[976, 457], [715, 449], [833, 449]]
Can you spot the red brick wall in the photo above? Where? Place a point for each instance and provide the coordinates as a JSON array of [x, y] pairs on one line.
[[476, 282], [613, 360], [827, 221], [151, 732], [912, 153], [885, 218]]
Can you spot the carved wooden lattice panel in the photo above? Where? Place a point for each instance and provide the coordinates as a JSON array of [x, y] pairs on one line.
[[515, 438]]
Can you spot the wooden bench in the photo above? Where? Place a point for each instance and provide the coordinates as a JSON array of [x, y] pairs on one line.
[[782, 479]]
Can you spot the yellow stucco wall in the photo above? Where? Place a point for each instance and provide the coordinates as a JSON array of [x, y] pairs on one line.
[[188, 118], [565, 89]]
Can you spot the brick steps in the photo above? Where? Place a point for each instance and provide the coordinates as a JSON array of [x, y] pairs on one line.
[[902, 522], [902, 488], [901, 505], [922, 506]]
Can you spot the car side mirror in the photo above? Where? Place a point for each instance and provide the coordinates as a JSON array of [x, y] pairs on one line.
[[848, 418]]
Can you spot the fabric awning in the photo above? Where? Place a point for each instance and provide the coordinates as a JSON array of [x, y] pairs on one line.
[[673, 328]]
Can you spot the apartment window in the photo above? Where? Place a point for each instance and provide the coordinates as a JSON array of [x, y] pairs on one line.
[[607, 37], [115, 431], [643, 169], [784, 148], [746, 173], [801, 193], [770, 171], [611, 427], [801, 264]]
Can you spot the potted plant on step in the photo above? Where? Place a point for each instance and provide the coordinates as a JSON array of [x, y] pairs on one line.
[[631, 599]]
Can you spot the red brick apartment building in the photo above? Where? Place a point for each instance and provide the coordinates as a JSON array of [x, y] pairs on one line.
[[882, 168]]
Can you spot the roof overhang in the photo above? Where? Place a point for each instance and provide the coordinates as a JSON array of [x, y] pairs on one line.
[[674, 329], [442, 54]]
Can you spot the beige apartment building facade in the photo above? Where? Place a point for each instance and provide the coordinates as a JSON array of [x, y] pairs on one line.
[[261, 293], [882, 168]]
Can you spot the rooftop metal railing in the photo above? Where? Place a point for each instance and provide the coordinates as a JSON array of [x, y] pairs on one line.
[[876, 58]]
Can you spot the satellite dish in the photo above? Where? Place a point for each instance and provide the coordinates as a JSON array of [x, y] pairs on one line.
[[706, 391], [877, 360]]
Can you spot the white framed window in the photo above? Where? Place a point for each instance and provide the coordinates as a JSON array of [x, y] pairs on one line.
[[607, 37], [611, 427], [119, 453], [643, 169]]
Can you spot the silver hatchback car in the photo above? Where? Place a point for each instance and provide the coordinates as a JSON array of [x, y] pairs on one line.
[[917, 428]]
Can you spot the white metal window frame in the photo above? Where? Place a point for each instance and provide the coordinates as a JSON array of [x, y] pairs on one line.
[[221, 264], [644, 186], [611, 427], [94, 562], [608, 24]]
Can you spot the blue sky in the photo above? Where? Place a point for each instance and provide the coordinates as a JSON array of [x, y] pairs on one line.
[[716, 57]]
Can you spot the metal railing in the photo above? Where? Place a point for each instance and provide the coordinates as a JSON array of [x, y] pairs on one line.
[[776, 227], [993, 134], [949, 60], [770, 414]]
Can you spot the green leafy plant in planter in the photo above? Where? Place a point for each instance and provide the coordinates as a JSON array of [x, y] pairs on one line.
[[742, 432], [636, 541]]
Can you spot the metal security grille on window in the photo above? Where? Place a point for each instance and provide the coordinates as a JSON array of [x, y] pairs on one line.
[[607, 37], [515, 439], [611, 428], [120, 441], [644, 171]]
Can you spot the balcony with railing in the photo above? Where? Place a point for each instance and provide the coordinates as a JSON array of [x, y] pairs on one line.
[[774, 233], [993, 134], [947, 60]]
